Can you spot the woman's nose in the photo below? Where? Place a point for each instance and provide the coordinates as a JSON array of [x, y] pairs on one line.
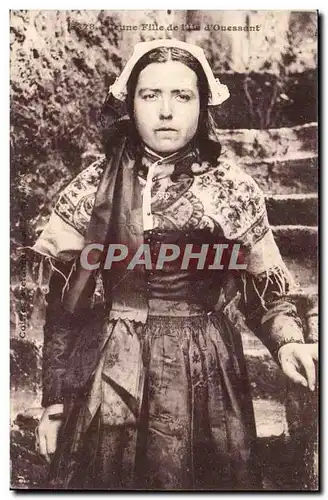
[[166, 108]]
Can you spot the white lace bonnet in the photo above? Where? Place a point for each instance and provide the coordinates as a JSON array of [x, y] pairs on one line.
[[218, 92]]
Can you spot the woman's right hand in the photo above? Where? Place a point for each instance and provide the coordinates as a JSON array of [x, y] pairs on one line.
[[46, 432]]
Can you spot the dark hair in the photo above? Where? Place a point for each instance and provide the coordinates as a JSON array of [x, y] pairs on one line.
[[209, 149]]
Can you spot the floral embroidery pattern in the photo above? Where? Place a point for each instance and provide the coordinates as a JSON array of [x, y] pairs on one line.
[[185, 213], [77, 199], [233, 199]]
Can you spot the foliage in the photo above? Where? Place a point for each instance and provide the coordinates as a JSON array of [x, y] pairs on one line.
[[59, 77], [24, 364]]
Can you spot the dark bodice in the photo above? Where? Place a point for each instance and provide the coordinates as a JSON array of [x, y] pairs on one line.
[[200, 286], [197, 284]]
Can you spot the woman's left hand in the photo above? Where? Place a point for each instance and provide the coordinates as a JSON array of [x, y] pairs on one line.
[[297, 362]]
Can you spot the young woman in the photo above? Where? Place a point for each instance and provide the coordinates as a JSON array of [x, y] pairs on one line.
[[150, 391]]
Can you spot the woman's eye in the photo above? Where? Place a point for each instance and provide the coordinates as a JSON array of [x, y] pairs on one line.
[[149, 97], [183, 97]]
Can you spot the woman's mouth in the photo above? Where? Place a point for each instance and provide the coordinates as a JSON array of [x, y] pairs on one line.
[[166, 129]]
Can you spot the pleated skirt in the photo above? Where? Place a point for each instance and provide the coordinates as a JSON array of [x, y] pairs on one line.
[[168, 408]]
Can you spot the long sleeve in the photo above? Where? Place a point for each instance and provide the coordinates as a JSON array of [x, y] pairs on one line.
[[60, 332], [58, 337], [264, 288], [60, 244]]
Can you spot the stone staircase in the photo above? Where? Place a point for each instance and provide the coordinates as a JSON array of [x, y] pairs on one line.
[[284, 164]]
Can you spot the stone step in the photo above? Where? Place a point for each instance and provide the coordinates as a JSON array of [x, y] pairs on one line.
[[298, 247], [304, 270], [292, 209], [306, 294], [270, 418], [287, 175], [296, 240], [256, 143]]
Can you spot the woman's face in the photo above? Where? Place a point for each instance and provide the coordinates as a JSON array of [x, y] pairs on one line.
[[166, 106]]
